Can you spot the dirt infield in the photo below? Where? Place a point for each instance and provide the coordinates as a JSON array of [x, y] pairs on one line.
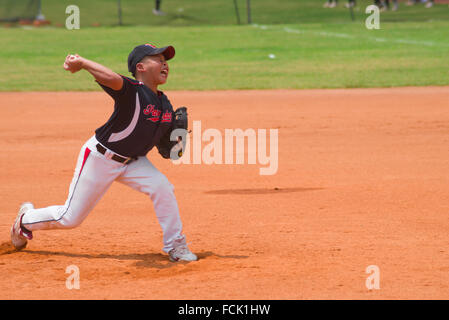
[[363, 180]]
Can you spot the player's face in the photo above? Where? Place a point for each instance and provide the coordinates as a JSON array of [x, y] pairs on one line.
[[155, 69]]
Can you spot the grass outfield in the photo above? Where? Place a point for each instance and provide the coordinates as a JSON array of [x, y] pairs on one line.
[[237, 57], [218, 12]]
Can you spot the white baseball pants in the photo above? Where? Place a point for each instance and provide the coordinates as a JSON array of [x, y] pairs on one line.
[[94, 174]]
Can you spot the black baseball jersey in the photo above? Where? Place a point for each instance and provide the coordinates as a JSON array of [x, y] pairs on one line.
[[140, 118]]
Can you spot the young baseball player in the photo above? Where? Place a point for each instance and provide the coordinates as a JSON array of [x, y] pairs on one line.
[[141, 119]]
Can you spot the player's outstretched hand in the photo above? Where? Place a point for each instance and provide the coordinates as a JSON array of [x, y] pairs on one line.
[[73, 63]]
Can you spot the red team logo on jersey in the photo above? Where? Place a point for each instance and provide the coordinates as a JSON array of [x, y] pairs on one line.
[[150, 110], [166, 117]]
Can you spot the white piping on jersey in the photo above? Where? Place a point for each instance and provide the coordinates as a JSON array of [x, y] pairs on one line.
[[125, 133]]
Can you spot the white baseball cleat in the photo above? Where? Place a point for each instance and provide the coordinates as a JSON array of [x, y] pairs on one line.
[[181, 252], [19, 236]]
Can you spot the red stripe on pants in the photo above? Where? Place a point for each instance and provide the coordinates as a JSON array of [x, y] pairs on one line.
[[86, 154]]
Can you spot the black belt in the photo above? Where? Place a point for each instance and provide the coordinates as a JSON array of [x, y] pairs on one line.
[[115, 157]]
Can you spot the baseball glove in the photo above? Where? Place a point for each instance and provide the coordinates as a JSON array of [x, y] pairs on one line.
[[173, 149]]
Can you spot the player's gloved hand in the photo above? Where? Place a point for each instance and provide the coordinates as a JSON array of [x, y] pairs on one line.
[[181, 118], [165, 145], [73, 63]]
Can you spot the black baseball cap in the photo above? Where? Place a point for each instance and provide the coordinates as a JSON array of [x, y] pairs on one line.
[[147, 49]]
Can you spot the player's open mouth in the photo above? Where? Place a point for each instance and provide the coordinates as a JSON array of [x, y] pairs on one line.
[[164, 72]]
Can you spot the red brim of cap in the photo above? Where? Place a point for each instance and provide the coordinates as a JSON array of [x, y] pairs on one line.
[[168, 52]]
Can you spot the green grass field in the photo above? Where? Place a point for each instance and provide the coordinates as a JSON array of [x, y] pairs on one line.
[[323, 52], [219, 12]]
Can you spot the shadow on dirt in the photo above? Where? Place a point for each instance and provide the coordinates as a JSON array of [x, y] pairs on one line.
[[204, 255], [147, 260], [261, 190], [7, 248]]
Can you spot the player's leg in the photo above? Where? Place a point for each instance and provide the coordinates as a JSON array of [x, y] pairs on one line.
[[93, 175], [143, 176], [157, 9]]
